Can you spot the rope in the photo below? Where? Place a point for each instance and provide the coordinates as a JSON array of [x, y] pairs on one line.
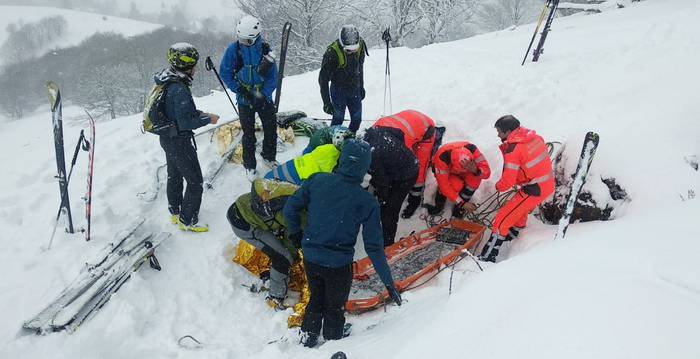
[[197, 345]]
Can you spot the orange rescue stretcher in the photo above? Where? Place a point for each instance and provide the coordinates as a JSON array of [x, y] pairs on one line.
[[363, 268]]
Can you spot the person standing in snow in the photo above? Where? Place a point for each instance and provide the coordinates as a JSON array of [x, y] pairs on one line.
[[249, 70], [342, 66], [328, 244], [459, 168], [263, 227], [527, 166], [178, 142]]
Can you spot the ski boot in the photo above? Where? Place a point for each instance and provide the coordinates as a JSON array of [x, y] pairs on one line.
[[309, 339], [194, 227], [276, 303], [175, 218]]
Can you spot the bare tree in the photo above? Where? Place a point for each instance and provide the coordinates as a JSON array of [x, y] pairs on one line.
[[438, 16], [402, 16], [500, 14]]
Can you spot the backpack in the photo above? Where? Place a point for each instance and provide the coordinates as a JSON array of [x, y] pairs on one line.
[[269, 196], [340, 54], [154, 119], [239, 59]]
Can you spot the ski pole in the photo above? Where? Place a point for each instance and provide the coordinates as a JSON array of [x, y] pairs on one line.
[[386, 36], [209, 65], [537, 28], [78, 145]]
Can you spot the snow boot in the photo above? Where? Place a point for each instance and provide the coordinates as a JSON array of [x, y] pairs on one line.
[[251, 174], [175, 218], [276, 303], [490, 251], [194, 227], [309, 339]]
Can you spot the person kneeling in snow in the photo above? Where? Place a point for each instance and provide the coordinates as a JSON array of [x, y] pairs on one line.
[[459, 168], [323, 158], [336, 206], [526, 164], [256, 217]]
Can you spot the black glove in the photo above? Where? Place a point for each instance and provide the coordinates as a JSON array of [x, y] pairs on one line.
[[362, 93], [259, 100], [328, 108], [296, 238], [245, 93], [394, 295], [413, 203]]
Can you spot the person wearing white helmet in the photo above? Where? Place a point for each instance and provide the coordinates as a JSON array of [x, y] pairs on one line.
[[342, 67], [248, 68]]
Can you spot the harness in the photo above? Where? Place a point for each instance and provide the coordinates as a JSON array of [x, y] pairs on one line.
[[240, 64]]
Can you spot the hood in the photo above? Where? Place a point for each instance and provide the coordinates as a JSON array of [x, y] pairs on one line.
[[170, 74], [378, 135], [521, 134], [355, 159]]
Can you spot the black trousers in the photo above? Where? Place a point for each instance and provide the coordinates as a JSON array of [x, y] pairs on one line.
[[182, 163], [268, 117], [390, 200], [330, 288]]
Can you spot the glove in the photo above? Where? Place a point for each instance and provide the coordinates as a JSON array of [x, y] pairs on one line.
[[394, 295], [362, 93], [296, 238], [413, 203], [328, 108], [245, 93], [259, 100]]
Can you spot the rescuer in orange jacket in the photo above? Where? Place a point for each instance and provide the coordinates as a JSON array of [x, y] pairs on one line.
[[459, 168], [527, 166], [419, 137]]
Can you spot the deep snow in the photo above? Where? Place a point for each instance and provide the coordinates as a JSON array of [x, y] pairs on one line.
[[627, 288]]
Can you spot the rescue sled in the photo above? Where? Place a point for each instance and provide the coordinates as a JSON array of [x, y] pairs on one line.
[[412, 259]]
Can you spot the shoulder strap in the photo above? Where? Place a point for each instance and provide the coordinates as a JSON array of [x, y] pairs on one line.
[[339, 53]]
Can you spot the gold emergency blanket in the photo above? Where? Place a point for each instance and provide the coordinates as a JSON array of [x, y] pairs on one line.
[[257, 262], [226, 134]]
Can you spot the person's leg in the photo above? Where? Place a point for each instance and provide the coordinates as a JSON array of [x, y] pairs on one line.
[[338, 282], [388, 227], [313, 318], [285, 172], [247, 119], [355, 109], [393, 202], [174, 182], [269, 124], [340, 102], [513, 213], [192, 172]]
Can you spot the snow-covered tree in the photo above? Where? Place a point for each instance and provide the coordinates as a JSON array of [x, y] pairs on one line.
[[439, 15]]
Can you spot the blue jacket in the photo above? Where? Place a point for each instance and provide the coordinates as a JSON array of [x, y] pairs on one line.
[[336, 207], [248, 73], [179, 105]]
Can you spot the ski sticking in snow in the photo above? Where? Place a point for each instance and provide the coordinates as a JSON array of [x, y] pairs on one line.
[[283, 56], [590, 145], [91, 163], [96, 283], [549, 4], [57, 119]]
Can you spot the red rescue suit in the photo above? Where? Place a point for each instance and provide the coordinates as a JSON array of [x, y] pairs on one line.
[[526, 164], [413, 125], [450, 174]]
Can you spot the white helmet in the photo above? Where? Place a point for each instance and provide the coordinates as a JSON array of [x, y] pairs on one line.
[[349, 38], [248, 29], [340, 134]]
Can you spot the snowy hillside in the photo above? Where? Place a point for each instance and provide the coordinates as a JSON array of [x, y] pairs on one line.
[[626, 288], [81, 25]]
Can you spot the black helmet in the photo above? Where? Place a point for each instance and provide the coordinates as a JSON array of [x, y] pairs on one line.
[[349, 38], [507, 123], [183, 56]]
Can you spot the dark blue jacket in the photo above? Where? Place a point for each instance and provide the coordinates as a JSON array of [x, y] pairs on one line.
[[336, 207], [179, 105], [248, 73]]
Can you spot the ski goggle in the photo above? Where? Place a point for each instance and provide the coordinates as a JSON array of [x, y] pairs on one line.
[[247, 42]]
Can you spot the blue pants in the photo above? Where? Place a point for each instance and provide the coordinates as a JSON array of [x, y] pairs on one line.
[[351, 99], [285, 172]]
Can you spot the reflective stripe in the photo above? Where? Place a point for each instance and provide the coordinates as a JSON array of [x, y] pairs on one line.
[[479, 159], [426, 123], [540, 179], [511, 166], [537, 160], [470, 188], [492, 246], [441, 172], [285, 170], [405, 124]]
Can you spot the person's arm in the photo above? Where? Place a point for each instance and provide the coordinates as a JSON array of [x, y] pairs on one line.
[[483, 165], [328, 64], [362, 66], [226, 68], [180, 106], [442, 176], [270, 82], [295, 204], [423, 152], [373, 240], [511, 166]]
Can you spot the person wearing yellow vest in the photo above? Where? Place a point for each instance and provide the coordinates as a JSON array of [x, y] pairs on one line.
[[342, 67], [323, 158]]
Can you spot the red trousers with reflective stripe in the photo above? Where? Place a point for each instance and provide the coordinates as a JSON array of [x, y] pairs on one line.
[[515, 212], [457, 182]]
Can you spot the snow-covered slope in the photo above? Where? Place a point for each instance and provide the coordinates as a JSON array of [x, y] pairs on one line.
[[628, 288], [81, 25]]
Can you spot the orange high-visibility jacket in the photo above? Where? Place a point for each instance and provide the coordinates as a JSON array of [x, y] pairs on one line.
[[526, 163], [444, 169], [413, 124]]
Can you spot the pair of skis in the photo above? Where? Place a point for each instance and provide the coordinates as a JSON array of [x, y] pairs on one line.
[[63, 179], [550, 5]]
